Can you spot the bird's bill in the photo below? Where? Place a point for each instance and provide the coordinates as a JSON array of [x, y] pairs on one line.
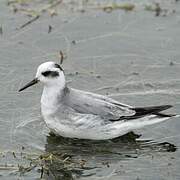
[[34, 81]]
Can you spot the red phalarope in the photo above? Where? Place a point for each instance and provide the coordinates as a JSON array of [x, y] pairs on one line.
[[79, 114]]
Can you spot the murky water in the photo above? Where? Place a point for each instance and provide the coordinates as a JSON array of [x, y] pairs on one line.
[[131, 56]]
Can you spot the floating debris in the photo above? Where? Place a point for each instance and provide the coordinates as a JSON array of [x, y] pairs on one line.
[[1, 30], [149, 85], [98, 76], [52, 12], [115, 6], [73, 42], [171, 63], [14, 155], [135, 73], [49, 29]]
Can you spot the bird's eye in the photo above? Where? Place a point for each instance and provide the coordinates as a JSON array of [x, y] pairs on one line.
[[50, 73]]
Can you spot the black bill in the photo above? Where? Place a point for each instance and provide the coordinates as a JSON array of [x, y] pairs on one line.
[[34, 81]]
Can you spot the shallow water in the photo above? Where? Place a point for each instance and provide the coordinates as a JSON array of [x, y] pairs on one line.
[[130, 56]]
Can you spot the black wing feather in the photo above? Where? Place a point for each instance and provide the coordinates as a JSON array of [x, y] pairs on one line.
[[150, 110]]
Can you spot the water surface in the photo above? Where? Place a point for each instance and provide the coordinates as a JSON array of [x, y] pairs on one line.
[[130, 56]]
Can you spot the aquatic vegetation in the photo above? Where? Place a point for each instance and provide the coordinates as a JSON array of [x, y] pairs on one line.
[[159, 11]]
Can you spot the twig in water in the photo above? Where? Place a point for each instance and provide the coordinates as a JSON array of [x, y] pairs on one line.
[[42, 172], [61, 55], [30, 21]]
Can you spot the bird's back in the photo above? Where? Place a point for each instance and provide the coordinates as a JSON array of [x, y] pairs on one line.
[[91, 103]]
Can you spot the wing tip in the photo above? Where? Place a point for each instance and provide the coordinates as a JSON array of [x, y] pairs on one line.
[[151, 109]]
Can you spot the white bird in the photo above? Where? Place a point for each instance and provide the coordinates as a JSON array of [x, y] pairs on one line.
[[79, 114]]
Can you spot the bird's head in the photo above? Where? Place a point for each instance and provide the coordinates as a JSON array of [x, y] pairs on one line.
[[50, 74]]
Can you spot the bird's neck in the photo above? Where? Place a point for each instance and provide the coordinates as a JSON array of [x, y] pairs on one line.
[[52, 95]]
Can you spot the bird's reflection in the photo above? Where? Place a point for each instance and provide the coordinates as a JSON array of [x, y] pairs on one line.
[[82, 157]]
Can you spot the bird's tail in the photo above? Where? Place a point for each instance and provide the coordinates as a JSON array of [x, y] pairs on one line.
[[148, 116]]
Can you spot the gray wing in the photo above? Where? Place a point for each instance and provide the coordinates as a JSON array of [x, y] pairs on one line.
[[90, 103]]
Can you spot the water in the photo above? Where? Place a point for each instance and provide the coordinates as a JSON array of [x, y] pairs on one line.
[[130, 56]]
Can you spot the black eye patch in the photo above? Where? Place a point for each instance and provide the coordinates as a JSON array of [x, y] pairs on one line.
[[50, 73]]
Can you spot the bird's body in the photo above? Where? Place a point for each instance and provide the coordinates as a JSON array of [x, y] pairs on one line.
[[73, 113], [79, 114]]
